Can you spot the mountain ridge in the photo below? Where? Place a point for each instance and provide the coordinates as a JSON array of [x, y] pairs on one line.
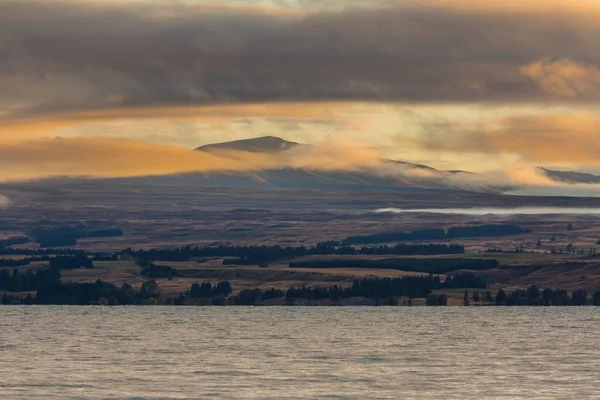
[[306, 178], [263, 144], [571, 177], [273, 144]]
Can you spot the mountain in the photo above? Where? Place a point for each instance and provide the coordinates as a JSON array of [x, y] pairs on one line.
[[390, 175], [427, 167], [396, 177], [571, 177], [265, 144]]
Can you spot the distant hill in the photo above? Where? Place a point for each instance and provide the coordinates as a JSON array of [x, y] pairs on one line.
[[265, 144], [390, 175], [570, 176], [364, 179]]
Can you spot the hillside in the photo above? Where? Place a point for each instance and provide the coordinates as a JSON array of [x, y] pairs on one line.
[[364, 179], [265, 144], [570, 176]]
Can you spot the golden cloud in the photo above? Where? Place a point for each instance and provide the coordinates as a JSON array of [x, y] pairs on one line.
[[563, 77], [566, 139], [105, 157]]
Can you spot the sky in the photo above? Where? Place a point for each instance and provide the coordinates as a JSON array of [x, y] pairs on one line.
[[484, 86]]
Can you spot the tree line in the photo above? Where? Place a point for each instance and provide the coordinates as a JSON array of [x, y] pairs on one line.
[[256, 255], [62, 236], [13, 263], [48, 287], [16, 281], [425, 265], [533, 296], [437, 234], [45, 286]]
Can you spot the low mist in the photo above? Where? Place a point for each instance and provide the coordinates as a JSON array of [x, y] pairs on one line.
[[117, 158], [4, 201], [497, 211]]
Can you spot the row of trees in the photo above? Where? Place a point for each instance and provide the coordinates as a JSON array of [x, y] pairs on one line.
[[39, 252], [533, 296], [437, 234], [49, 289], [71, 261], [254, 255], [67, 235], [425, 265], [383, 290], [387, 288], [29, 280], [152, 270], [68, 261]]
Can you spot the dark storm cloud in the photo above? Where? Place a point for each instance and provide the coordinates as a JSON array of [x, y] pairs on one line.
[[74, 55]]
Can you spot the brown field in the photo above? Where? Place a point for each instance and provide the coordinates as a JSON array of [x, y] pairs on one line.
[[241, 277]]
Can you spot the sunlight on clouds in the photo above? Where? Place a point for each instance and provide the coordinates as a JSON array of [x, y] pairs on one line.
[[467, 137], [563, 77]]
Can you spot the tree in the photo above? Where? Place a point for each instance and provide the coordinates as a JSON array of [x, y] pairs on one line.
[[431, 300], [476, 296], [466, 298], [553, 239], [569, 227], [539, 244], [500, 297], [222, 288], [488, 297], [442, 300], [218, 300], [579, 298], [561, 298], [548, 297], [596, 298], [533, 292], [149, 289], [248, 297]]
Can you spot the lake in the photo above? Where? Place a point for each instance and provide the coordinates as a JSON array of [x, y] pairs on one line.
[[495, 210], [62, 352]]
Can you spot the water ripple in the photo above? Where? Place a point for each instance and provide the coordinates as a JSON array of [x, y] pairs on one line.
[[298, 353]]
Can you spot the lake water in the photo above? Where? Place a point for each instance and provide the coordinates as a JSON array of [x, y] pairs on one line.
[[496, 210], [299, 353]]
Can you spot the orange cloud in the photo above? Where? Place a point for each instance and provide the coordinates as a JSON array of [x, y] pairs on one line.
[[104, 157], [569, 139], [559, 7], [563, 77]]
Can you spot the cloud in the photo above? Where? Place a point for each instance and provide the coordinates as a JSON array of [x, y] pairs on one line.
[[115, 158], [78, 55], [106, 157], [563, 77], [4, 201], [549, 139]]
